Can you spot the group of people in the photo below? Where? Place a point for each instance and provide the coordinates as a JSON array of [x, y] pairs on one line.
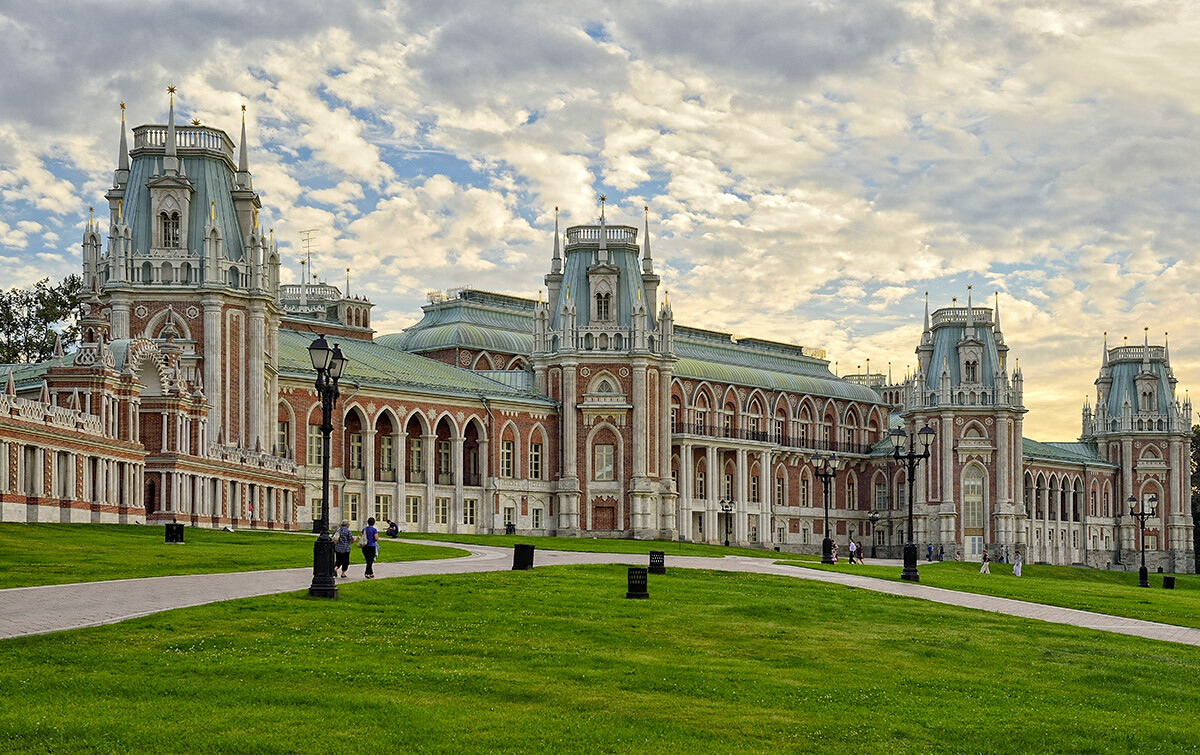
[[985, 567], [367, 540], [857, 554]]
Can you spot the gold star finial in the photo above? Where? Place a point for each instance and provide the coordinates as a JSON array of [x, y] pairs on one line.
[[195, 121], [171, 90], [603, 199], [243, 107]]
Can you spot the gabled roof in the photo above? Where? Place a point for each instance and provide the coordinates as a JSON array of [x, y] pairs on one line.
[[375, 364], [1068, 453]]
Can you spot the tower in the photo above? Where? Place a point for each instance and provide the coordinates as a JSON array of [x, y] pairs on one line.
[[186, 258], [602, 350], [1140, 425], [969, 495]]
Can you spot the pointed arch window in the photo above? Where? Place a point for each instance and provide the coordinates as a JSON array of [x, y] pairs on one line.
[[973, 497], [170, 229], [604, 306]]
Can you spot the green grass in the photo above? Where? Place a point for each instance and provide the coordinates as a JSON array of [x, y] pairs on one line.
[[556, 660], [52, 554], [1110, 592], [600, 545]]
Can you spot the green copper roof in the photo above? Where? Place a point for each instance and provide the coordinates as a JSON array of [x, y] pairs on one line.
[[375, 364], [473, 320], [830, 386], [1069, 453]]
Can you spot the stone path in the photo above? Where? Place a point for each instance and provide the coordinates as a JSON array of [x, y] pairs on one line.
[[52, 608]]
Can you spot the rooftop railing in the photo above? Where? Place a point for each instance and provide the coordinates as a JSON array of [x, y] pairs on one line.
[[590, 234], [186, 138], [776, 439]]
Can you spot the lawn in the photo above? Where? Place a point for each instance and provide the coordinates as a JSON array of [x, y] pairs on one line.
[[51, 554], [556, 660], [1111, 592], [603, 545]]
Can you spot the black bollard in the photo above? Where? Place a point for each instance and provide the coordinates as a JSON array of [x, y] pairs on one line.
[[637, 583], [522, 557], [1168, 582], [658, 562]]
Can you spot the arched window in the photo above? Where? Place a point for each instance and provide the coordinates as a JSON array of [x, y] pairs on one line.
[[170, 229], [973, 497], [604, 306]]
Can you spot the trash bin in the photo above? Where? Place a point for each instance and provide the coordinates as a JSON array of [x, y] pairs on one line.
[[637, 583], [510, 529], [522, 557], [174, 533], [658, 562], [1169, 583]]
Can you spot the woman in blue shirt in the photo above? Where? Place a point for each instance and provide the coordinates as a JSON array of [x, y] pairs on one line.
[[370, 545]]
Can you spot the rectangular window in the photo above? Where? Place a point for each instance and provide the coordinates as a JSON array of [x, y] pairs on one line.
[[356, 451], [315, 449], [752, 425], [901, 496], [507, 452], [754, 489], [416, 461], [972, 500], [283, 437], [727, 487], [804, 492], [315, 503], [604, 462], [443, 457], [412, 507], [778, 430], [387, 449], [728, 426], [510, 515], [779, 492], [537, 519], [469, 511], [535, 461], [880, 495], [851, 498], [675, 480], [441, 510], [1151, 542], [352, 502], [383, 507], [700, 490]]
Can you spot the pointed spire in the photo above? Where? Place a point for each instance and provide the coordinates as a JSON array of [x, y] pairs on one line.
[[1146, 346], [10, 387], [243, 171], [44, 396], [58, 350], [647, 260], [970, 312], [556, 258], [997, 314], [121, 177], [1166, 349], [171, 161], [1104, 356], [603, 232]]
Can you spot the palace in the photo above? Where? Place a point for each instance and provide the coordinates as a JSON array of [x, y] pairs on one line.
[[592, 413]]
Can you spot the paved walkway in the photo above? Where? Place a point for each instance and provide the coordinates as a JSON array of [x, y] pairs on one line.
[[53, 608]]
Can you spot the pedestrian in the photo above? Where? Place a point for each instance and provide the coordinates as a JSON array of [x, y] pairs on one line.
[[835, 551], [941, 552], [1017, 565], [369, 542], [393, 529], [957, 557], [929, 552], [983, 568], [862, 554], [342, 540], [853, 550]]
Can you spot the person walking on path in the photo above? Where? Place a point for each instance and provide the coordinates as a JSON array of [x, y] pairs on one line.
[[941, 552], [369, 540], [984, 568], [862, 554], [835, 551], [1017, 565], [853, 550], [929, 552], [342, 540]]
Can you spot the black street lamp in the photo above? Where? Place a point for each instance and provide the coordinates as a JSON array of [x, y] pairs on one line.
[[727, 507], [911, 458], [825, 466], [1142, 515], [329, 364], [873, 518]]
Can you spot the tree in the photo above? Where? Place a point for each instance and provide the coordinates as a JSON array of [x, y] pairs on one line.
[[31, 318]]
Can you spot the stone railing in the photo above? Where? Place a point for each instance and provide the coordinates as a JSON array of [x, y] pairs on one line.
[[248, 458], [49, 414], [587, 234]]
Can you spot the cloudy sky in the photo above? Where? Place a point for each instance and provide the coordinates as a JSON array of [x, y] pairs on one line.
[[811, 168]]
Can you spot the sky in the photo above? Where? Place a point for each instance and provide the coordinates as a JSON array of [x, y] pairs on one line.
[[811, 168]]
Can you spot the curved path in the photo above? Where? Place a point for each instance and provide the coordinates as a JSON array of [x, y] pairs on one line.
[[53, 608]]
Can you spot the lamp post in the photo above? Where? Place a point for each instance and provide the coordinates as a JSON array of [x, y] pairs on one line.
[[873, 517], [911, 458], [329, 364], [825, 466], [727, 507], [1142, 515]]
